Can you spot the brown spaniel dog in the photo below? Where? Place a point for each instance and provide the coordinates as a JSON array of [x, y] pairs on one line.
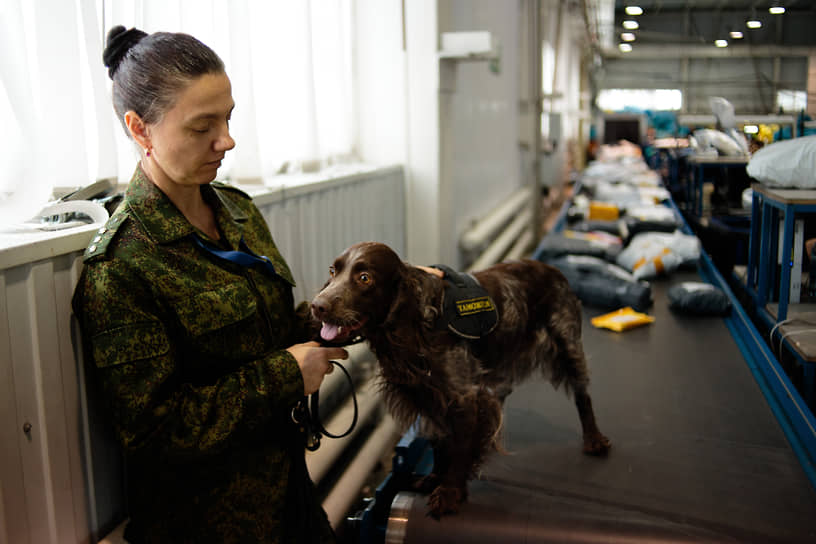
[[456, 386]]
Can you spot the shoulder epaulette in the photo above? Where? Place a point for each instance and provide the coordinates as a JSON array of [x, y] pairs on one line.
[[99, 243], [231, 188]]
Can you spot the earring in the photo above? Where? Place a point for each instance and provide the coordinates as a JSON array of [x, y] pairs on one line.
[[147, 152]]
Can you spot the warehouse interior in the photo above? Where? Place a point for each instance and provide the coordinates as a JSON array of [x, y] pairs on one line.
[[660, 154]]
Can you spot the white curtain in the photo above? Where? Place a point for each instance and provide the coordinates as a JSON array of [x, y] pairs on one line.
[[289, 62], [43, 137]]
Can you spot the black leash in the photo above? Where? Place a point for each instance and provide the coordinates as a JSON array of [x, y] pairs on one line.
[[306, 413]]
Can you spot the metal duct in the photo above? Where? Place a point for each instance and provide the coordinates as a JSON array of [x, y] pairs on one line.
[[523, 243], [485, 230], [497, 249]]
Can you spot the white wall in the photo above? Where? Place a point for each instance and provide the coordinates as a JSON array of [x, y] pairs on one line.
[[460, 144], [563, 33], [380, 81], [422, 113], [479, 120], [397, 78], [456, 125]]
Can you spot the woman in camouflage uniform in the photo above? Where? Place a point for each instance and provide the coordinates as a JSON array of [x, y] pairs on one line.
[[200, 359]]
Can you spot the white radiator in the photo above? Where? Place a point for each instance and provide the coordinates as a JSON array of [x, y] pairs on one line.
[[56, 489], [313, 224]]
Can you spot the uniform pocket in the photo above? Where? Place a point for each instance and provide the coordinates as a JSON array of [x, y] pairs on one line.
[[129, 343], [212, 310]]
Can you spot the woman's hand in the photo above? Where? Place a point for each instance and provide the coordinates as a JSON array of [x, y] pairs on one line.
[[314, 364], [433, 271]]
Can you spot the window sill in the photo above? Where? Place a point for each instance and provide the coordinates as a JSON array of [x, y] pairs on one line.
[[19, 248]]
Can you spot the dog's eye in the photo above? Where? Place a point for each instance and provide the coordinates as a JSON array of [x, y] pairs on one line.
[[365, 278], [332, 271]]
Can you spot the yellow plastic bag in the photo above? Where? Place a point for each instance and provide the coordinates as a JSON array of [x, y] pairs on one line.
[[621, 320], [603, 211]]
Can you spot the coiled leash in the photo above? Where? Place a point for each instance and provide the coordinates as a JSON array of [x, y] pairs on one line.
[[306, 413]]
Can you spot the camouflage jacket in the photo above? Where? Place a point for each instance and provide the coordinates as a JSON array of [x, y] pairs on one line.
[[188, 351]]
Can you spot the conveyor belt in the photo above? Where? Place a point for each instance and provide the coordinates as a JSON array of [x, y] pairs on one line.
[[697, 456]]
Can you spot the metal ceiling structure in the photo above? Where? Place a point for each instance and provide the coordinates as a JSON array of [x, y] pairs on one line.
[[673, 46], [701, 22]]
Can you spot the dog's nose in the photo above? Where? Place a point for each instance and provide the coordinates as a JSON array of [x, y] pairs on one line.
[[318, 310]]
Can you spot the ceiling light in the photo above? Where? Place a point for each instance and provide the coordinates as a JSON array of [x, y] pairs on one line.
[[627, 37], [750, 129], [625, 47], [736, 34], [776, 10], [721, 43], [633, 10], [753, 23], [631, 25]]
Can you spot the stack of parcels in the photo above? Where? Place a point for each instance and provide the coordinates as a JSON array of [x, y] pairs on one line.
[[620, 233]]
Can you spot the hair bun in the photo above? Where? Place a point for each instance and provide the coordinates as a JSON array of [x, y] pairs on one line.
[[118, 44]]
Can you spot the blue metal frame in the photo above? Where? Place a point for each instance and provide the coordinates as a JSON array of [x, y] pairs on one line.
[[762, 280], [694, 190], [765, 213], [413, 457]]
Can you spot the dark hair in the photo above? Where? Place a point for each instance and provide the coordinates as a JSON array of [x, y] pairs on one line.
[[149, 70]]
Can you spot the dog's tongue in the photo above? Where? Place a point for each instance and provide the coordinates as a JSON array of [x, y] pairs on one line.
[[329, 332]]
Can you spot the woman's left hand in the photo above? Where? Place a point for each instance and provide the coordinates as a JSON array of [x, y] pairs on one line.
[[434, 271], [314, 362]]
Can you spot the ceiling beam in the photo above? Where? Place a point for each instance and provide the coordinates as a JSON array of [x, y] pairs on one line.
[[707, 51]]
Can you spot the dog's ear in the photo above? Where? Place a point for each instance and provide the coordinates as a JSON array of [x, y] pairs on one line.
[[403, 329], [414, 298], [412, 311], [401, 287]]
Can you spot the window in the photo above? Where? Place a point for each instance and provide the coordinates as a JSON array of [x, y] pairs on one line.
[[8, 141], [791, 101], [618, 100], [289, 63]]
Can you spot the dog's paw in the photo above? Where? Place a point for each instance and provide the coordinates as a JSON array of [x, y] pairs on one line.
[[445, 500], [596, 444]]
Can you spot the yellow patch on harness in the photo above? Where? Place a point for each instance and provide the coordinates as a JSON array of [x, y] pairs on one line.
[[474, 306]]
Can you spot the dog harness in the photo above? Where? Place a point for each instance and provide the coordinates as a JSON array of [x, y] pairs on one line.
[[467, 309]]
